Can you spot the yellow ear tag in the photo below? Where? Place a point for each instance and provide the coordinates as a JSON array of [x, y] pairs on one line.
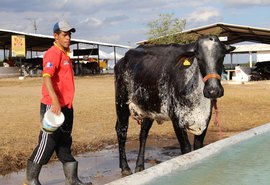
[[186, 63]]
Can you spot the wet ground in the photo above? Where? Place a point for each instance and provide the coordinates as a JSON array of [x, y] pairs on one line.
[[102, 167]]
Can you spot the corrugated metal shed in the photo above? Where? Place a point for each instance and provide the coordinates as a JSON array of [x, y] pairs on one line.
[[235, 33], [39, 42]]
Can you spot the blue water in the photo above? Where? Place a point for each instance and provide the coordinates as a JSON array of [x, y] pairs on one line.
[[245, 163]]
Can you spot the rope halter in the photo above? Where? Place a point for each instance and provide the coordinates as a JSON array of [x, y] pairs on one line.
[[211, 75]]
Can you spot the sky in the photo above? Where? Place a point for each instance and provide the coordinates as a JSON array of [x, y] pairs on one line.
[[125, 22]]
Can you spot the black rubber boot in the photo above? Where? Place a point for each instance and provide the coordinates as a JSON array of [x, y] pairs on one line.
[[71, 173], [32, 173]]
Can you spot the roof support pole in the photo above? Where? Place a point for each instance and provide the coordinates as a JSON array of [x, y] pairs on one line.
[[98, 58], [231, 60], [114, 53], [250, 59], [31, 52], [78, 55], [5, 52]]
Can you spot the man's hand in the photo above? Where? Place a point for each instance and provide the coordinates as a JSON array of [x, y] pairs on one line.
[[56, 108]]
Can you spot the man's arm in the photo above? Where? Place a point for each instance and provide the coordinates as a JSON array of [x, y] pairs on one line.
[[56, 108]]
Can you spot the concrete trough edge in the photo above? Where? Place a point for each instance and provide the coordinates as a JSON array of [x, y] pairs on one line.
[[188, 159]]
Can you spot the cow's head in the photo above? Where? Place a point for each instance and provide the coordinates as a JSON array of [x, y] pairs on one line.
[[210, 53]]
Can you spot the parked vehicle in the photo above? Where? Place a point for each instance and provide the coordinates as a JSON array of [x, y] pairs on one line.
[[261, 71]]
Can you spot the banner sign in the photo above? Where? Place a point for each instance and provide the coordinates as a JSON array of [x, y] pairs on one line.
[[18, 45]]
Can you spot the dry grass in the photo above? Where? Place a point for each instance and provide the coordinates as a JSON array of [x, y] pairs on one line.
[[243, 107]]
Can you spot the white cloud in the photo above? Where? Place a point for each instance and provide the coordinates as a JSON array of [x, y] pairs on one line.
[[91, 22], [115, 19], [110, 39], [245, 3], [203, 15]]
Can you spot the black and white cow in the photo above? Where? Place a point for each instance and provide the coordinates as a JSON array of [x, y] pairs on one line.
[[168, 82]]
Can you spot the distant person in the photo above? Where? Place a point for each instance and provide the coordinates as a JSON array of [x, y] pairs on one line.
[[57, 95], [5, 63], [10, 63]]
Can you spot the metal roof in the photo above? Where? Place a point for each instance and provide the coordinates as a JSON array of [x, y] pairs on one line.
[[39, 42], [234, 33]]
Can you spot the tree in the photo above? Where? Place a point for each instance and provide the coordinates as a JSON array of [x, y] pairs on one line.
[[168, 30], [163, 28]]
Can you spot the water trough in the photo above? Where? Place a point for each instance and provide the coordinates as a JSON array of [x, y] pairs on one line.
[[193, 164]]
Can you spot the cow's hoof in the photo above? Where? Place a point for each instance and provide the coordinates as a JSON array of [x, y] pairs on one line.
[[186, 150], [139, 169], [126, 172]]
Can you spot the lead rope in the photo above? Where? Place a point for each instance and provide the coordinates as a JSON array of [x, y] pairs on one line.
[[216, 119]]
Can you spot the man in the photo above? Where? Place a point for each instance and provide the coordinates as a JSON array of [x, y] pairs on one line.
[[57, 95]]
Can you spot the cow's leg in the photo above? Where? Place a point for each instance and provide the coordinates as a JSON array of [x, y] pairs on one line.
[[121, 128], [182, 137], [198, 139], [145, 127]]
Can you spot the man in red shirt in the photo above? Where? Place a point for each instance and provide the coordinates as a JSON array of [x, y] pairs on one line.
[[57, 95]]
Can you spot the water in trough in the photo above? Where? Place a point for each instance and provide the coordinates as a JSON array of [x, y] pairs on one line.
[[245, 163]]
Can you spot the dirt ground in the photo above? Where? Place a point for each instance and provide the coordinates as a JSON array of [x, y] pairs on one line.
[[243, 106]]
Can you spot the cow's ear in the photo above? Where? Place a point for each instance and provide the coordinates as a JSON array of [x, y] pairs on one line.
[[190, 48], [229, 48]]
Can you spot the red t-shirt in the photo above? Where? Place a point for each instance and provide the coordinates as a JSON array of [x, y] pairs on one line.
[[57, 65]]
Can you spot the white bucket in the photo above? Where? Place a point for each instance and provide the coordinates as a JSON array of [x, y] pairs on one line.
[[52, 121]]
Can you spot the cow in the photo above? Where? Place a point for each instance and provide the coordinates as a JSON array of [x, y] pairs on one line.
[[168, 83]]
